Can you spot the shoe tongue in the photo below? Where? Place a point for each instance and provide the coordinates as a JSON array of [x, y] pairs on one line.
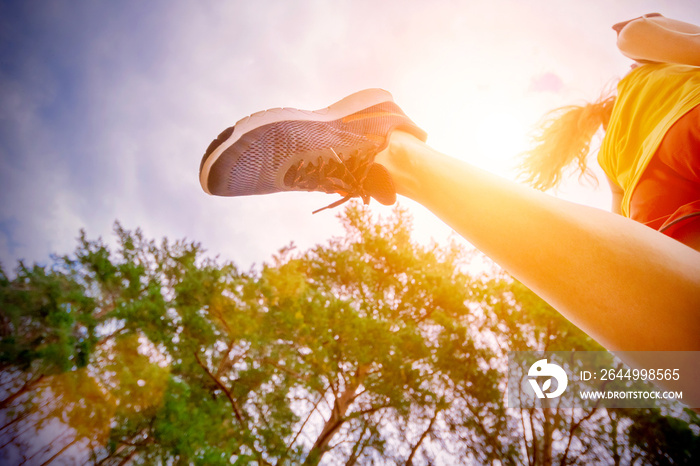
[[379, 184]]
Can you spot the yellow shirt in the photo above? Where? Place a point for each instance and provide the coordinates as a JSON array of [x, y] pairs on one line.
[[649, 100]]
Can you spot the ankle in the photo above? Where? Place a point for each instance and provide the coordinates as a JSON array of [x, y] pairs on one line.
[[401, 157]]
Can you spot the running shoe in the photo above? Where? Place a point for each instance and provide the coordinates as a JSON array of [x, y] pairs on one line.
[[330, 150]]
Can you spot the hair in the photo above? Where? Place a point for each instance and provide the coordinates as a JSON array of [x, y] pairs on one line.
[[562, 138]]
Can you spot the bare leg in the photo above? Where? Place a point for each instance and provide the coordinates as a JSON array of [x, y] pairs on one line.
[[627, 286]]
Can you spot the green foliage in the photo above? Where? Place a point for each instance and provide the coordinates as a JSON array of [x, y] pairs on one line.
[[370, 348], [45, 321], [664, 439]]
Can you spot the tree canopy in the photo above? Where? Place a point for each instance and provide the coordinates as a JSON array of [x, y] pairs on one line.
[[369, 349]]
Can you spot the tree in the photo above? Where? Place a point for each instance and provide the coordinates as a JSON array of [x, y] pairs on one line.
[[370, 348]]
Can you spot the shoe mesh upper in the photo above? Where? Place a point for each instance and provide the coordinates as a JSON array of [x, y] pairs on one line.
[[252, 164], [257, 168]]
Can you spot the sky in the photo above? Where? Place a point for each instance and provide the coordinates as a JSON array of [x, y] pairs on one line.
[[107, 107]]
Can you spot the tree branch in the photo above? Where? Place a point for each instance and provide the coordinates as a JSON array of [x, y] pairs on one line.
[[573, 428], [28, 412], [301, 429], [371, 410], [236, 410], [224, 359], [45, 450], [355, 454], [409, 461], [128, 457], [285, 369], [60, 452], [337, 417], [27, 387]]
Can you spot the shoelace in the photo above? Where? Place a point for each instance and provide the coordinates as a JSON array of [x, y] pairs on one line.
[[334, 176]]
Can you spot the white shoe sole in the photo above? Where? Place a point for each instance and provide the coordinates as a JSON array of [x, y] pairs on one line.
[[347, 106]]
